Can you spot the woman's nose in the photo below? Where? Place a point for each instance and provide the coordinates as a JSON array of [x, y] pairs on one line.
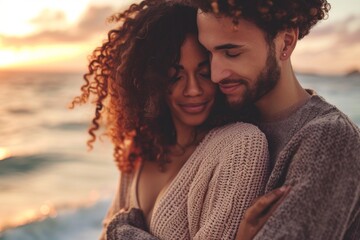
[[193, 87]]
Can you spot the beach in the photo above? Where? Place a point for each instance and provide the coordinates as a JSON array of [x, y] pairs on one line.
[[51, 186]]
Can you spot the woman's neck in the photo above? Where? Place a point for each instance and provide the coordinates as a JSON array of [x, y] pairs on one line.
[[187, 138]]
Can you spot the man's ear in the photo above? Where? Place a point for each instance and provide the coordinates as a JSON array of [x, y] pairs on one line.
[[289, 39]]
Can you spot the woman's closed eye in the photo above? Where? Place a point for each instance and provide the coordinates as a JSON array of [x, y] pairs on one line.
[[175, 78], [205, 75], [175, 73], [204, 70]]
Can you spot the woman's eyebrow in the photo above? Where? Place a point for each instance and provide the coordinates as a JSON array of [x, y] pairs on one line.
[[179, 67]]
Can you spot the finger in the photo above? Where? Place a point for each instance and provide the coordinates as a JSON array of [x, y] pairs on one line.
[[264, 203], [272, 197], [267, 214], [255, 200], [278, 202]]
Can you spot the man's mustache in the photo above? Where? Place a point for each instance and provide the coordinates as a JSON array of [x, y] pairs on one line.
[[232, 81]]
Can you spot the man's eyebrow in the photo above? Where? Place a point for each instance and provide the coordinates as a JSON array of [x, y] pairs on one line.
[[227, 46], [204, 63]]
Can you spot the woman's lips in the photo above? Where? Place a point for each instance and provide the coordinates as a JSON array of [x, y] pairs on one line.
[[193, 107]]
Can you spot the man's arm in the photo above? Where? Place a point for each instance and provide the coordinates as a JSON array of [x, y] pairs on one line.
[[325, 174]]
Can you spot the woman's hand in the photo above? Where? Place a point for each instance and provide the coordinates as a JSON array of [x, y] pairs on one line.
[[259, 212]]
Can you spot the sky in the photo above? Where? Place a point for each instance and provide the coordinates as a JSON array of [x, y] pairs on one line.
[[59, 35]]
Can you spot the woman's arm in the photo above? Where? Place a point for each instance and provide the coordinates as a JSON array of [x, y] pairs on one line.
[[114, 208], [239, 179]]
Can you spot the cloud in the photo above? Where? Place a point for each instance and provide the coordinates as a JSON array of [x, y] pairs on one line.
[[333, 38], [349, 33], [346, 31], [95, 19], [48, 16], [331, 47], [92, 23]]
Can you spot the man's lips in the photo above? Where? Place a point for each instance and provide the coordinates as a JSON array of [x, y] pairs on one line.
[[193, 107], [230, 86]]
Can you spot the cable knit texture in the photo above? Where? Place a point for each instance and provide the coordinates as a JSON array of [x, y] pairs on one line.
[[316, 150], [208, 197]]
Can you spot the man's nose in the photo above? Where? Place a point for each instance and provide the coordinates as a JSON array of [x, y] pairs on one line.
[[218, 70]]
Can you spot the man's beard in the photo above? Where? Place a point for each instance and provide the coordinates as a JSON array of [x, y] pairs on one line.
[[265, 82]]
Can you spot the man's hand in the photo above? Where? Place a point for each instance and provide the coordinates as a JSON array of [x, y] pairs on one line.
[[259, 212]]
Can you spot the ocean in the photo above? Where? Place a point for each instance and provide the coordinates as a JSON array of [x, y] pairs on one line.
[[51, 186]]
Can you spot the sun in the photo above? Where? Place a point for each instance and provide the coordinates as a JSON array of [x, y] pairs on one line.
[[4, 153]]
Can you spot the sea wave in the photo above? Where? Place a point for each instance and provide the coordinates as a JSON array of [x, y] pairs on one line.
[[27, 163], [83, 222], [21, 111], [68, 126]]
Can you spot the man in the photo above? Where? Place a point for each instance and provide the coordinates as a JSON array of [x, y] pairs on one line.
[[313, 146]]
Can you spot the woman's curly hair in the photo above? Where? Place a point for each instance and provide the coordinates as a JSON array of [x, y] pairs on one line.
[[128, 81], [272, 16]]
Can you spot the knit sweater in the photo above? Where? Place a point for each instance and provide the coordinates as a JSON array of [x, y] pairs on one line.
[[316, 150], [208, 197]]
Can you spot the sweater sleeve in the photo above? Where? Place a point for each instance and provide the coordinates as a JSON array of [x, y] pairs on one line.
[[239, 178], [324, 172], [126, 228]]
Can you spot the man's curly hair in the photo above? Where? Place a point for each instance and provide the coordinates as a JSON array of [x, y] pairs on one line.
[[272, 16], [128, 81]]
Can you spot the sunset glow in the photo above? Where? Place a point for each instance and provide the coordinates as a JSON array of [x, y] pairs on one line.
[[60, 34], [30, 215], [4, 153], [41, 56]]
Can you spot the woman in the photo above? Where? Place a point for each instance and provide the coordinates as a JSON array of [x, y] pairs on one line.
[[191, 178]]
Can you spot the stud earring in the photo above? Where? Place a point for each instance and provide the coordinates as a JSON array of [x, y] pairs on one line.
[[284, 54]]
